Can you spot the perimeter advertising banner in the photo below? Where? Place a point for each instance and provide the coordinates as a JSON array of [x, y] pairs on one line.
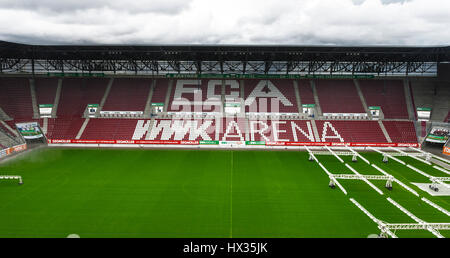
[[30, 130], [9, 151], [234, 143], [446, 150]]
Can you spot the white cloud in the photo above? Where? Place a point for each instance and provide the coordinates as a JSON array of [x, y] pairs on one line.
[[354, 22]]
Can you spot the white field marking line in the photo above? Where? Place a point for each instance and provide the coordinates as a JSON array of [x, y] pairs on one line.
[[231, 197], [412, 216], [434, 205], [388, 155], [442, 169], [408, 155], [431, 154], [380, 224], [396, 180], [364, 179], [359, 155], [334, 154]]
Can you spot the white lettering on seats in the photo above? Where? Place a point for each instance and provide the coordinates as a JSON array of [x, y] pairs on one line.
[[253, 130], [141, 129], [233, 125], [336, 135], [309, 135], [260, 91]]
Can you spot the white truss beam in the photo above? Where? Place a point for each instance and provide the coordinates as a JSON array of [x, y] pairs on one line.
[[334, 154], [364, 179], [396, 180], [431, 155], [381, 224], [8, 177], [357, 154], [387, 155], [416, 219], [409, 155]]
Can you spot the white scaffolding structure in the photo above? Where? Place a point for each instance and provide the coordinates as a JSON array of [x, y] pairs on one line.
[[7, 177], [386, 228]]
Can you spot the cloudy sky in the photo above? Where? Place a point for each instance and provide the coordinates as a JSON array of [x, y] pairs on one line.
[[337, 22]]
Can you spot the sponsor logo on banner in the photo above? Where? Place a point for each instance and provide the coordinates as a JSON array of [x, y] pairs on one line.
[[189, 142], [255, 143], [124, 142], [228, 143], [446, 150], [407, 145], [209, 142]]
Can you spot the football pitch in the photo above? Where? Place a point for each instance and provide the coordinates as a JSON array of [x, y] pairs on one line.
[[206, 193]]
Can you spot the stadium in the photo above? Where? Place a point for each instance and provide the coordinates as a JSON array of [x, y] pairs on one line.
[[224, 141]]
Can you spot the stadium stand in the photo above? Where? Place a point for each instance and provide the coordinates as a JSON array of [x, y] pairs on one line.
[[63, 128], [45, 90], [128, 95], [351, 131], [401, 131], [338, 96], [192, 96], [15, 97], [387, 94], [109, 129], [306, 93], [160, 91], [76, 94]]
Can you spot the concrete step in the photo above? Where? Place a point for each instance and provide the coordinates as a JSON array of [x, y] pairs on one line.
[[383, 129], [361, 97], [105, 97], [57, 97], [169, 91], [36, 114], [297, 97], [316, 99], [80, 132], [148, 104]]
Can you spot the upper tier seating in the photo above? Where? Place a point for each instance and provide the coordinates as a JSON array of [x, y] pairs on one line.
[[160, 91], [15, 97], [128, 95], [306, 93], [76, 94], [338, 96], [387, 94], [45, 90]]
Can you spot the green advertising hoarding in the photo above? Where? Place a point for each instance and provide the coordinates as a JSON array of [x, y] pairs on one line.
[[255, 143], [209, 142]]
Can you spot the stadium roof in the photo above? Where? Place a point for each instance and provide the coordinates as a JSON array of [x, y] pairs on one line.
[[245, 59], [227, 52]]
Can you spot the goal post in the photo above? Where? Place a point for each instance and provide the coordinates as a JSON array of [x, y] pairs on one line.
[[6, 177]]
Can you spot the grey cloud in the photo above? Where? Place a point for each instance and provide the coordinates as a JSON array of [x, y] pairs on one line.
[[235, 22], [67, 6]]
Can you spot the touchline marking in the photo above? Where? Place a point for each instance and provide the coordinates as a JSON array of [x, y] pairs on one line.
[[231, 197]]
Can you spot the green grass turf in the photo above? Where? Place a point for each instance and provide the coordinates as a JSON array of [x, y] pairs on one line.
[[199, 193]]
